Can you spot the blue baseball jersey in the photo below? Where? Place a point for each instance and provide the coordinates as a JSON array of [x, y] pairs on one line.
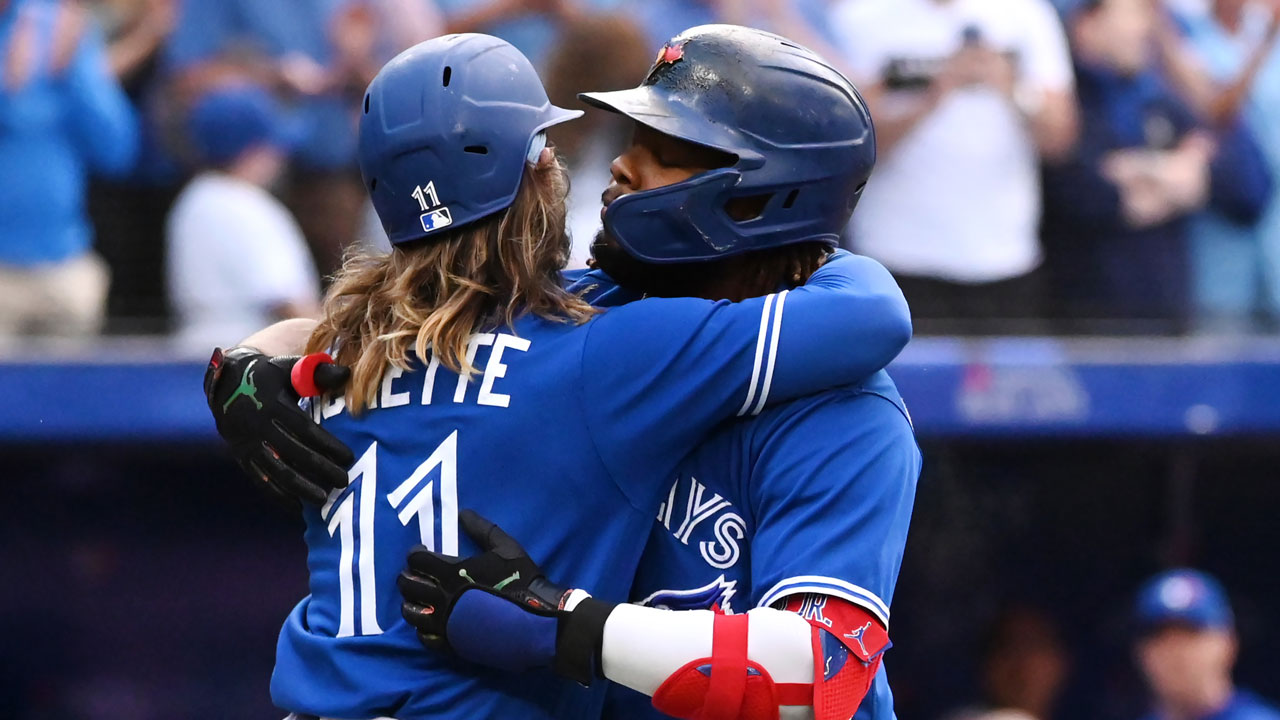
[[814, 496], [566, 436]]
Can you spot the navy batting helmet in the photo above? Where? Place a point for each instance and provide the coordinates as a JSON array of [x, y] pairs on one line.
[[800, 131], [448, 126]]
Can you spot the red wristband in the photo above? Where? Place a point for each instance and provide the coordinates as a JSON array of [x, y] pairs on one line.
[[303, 375]]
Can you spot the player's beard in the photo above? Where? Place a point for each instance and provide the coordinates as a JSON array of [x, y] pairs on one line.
[[655, 279]]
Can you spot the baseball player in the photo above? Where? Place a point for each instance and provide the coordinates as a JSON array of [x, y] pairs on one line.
[[801, 513], [1187, 648], [566, 433]]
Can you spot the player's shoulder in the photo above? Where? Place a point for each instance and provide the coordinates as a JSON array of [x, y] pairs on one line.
[[873, 399], [596, 287], [655, 316], [840, 420]]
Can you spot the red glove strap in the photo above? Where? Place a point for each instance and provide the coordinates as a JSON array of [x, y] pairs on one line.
[[728, 668]]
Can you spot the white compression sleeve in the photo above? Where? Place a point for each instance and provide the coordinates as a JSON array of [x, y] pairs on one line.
[[644, 646]]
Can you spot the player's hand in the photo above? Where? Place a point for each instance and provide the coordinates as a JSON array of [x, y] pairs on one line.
[[255, 405], [497, 608]]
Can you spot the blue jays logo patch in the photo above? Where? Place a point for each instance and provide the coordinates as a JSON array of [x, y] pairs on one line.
[[715, 595]]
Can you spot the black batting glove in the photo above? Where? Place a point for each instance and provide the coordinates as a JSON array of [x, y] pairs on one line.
[[255, 406], [498, 609]]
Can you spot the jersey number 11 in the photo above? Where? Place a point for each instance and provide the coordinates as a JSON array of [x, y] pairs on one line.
[[411, 498]]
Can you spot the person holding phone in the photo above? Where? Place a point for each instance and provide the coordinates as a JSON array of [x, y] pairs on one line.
[[968, 97]]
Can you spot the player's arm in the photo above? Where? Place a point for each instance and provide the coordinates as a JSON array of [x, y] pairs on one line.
[[287, 337], [849, 320], [830, 496], [496, 609], [657, 374]]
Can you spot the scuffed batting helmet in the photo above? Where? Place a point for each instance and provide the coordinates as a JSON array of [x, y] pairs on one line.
[[800, 131], [446, 130]]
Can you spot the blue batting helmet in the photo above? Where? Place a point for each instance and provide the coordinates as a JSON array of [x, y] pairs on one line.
[[448, 126], [800, 131]]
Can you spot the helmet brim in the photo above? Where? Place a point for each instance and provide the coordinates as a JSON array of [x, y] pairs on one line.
[[557, 115], [655, 110]]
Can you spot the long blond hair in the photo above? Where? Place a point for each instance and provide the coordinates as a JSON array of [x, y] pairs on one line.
[[433, 294]]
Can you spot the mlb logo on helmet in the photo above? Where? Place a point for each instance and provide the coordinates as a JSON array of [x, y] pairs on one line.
[[436, 219]]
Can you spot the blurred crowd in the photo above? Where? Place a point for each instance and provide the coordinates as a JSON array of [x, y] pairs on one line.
[[188, 166]]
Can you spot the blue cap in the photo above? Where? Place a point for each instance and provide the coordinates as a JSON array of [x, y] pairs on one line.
[[1184, 597], [230, 120]]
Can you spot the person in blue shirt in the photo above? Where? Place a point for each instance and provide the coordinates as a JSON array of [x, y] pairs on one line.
[[801, 513], [1236, 255], [1186, 649], [570, 428], [62, 117], [1117, 209]]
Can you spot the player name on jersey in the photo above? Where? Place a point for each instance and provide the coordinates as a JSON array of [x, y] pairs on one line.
[[399, 391]]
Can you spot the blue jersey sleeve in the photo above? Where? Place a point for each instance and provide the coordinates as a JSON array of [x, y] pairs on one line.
[[831, 495], [657, 375]]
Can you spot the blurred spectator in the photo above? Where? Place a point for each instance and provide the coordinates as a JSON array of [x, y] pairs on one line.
[[321, 54], [1023, 668], [534, 26], [967, 95], [62, 115], [128, 212], [237, 259], [664, 19], [530, 25], [1236, 247], [1116, 210], [595, 52], [1187, 649]]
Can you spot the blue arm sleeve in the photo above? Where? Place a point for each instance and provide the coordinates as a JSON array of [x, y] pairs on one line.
[[103, 122], [657, 375], [831, 494]]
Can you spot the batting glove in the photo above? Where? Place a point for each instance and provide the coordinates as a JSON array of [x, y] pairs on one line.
[[254, 400], [497, 609]]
